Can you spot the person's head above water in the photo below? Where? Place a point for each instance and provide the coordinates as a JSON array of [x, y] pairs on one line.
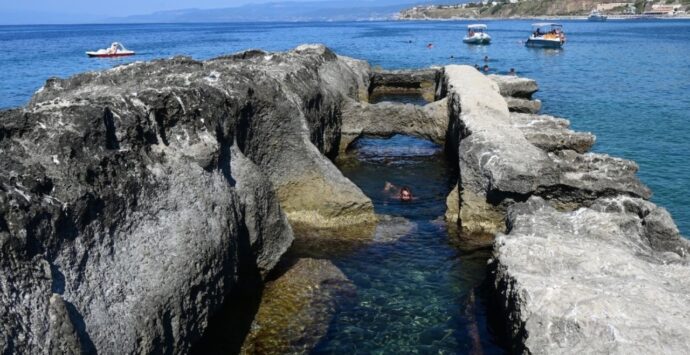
[[405, 194]]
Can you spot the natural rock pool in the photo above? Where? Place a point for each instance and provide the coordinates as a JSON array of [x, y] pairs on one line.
[[416, 291]]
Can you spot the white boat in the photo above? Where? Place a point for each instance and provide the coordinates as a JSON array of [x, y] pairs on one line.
[[476, 34], [116, 50], [546, 35], [596, 16]]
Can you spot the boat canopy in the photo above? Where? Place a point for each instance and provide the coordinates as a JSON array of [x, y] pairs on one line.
[[546, 24], [476, 27]]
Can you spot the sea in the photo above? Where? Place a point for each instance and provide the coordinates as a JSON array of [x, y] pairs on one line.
[[628, 82]]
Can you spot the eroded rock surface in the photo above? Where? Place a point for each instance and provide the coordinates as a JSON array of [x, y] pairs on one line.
[[506, 157], [132, 199], [387, 118], [612, 278]]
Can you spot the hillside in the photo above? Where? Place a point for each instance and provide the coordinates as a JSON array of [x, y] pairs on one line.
[[530, 8]]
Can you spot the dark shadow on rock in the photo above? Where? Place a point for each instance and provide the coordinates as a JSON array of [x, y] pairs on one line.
[[87, 345], [230, 325]]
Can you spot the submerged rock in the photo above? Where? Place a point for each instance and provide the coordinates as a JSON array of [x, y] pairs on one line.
[[297, 308], [608, 279]]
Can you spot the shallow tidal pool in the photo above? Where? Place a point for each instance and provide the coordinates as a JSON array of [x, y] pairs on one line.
[[416, 291]]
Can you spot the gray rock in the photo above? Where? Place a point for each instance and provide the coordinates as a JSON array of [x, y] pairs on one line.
[[597, 280], [510, 85], [388, 118], [552, 134], [134, 198], [516, 104], [506, 157]]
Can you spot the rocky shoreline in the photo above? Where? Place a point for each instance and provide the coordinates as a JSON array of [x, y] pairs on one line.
[[137, 199]]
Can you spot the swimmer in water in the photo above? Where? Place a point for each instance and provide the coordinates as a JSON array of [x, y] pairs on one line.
[[512, 71], [486, 58], [486, 68], [404, 193]]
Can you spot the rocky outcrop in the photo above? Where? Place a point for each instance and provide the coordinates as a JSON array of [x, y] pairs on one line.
[[387, 118], [515, 86], [552, 134], [612, 278], [297, 308], [506, 157], [135, 198], [516, 104]]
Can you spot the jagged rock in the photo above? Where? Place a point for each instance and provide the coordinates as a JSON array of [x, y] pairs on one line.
[[510, 85], [506, 157], [134, 198], [297, 308], [579, 179], [388, 118], [516, 104], [552, 134], [611, 279]]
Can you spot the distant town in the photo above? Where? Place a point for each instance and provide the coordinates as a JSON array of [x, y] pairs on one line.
[[550, 8]]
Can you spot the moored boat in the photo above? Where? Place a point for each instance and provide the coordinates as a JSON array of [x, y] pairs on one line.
[[546, 35], [116, 50], [476, 34], [596, 16]]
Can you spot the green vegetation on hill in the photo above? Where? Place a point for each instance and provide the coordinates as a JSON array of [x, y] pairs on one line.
[[526, 8]]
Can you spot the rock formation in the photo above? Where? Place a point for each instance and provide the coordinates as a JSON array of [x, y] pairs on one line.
[[586, 264], [507, 157], [134, 198], [612, 278]]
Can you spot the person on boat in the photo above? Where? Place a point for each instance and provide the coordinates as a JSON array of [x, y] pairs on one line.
[[113, 48], [404, 193]]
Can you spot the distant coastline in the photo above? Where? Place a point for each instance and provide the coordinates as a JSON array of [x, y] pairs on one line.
[[550, 10]]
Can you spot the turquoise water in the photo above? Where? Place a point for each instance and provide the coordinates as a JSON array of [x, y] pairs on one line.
[[626, 81], [417, 293]]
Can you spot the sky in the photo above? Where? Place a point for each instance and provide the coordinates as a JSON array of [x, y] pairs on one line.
[[113, 8], [14, 12]]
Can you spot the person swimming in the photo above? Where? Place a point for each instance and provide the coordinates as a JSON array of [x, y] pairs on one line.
[[486, 68], [403, 194]]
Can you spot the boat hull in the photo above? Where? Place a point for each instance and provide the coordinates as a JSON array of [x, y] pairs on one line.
[[109, 55], [544, 43], [597, 18], [477, 39]]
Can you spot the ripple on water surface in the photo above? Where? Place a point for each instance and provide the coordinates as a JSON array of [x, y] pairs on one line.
[[416, 293]]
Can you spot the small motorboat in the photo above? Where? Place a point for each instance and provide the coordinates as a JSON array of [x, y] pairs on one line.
[[596, 16], [546, 35], [476, 34], [116, 50]]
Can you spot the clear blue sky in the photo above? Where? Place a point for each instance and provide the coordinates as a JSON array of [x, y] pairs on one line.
[[112, 8], [86, 11]]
